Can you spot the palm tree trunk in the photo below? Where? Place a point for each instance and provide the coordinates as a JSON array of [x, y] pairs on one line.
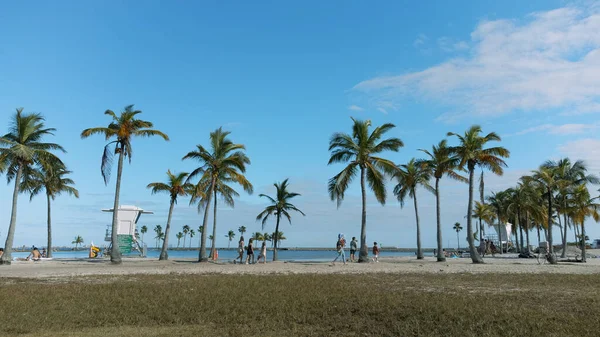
[[202, 255], [363, 255], [163, 253], [500, 236], [457, 241], [185, 236], [115, 252], [7, 256], [213, 247], [551, 259], [440, 254], [276, 238], [419, 249], [538, 233], [49, 247], [583, 241], [475, 257], [527, 230], [564, 237]]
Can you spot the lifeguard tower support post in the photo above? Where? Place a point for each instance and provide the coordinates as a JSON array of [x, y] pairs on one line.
[[127, 217]]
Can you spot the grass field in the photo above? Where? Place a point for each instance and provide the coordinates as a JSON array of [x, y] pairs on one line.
[[303, 305]]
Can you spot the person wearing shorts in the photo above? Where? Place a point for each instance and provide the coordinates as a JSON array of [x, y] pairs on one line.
[[263, 253], [375, 252], [353, 248], [240, 250], [250, 251]]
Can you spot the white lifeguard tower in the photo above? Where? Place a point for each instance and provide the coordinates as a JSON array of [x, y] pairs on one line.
[[504, 235], [127, 217]]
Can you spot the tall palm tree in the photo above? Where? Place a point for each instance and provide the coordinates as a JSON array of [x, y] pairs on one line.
[[242, 230], [20, 149], [359, 150], [78, 240], [549, 180], [280, 205], [123, 127], [192, 234], [179, 236], [225, 160], [143, 230], [498, 200], [222, 189], [441, 163], [176, 186], [457, 227], [409, 177], [53, 181], [230, 235], [185, 231], [571, 175], [473, 153], [583, 206]]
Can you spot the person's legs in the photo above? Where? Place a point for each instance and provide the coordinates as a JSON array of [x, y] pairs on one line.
[[343, 257]]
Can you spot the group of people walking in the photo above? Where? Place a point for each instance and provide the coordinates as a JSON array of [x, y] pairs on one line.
[[250, 252], [341, 243]]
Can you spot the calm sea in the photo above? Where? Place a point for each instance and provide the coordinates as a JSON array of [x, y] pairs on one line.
[[225, 255]]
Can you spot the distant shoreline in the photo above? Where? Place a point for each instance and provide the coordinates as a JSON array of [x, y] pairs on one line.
[[314, 249]]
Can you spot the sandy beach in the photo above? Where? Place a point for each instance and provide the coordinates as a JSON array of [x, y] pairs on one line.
[[500, 264]]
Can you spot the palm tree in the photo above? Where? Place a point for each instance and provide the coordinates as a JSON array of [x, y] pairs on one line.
[[442, 163], [485, 213], [258, 237], [267, 237], [20, 149], [230, 235], [78, 240], [499, 202], [409, 177], [175, 186], [123, 127], [179, 236], [359, 150], [227, 163], [472, 153], [457, 227], [186, 230], [571, 176], [547, 177], [143, 230], [192, 233], [280, 205], [221, 188], [279, 236], [242, 230], [212, 239], [158, 231], [583, 207], [53, 181]]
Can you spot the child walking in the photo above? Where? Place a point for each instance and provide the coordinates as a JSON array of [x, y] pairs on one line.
[[263, 253], [375, 252]]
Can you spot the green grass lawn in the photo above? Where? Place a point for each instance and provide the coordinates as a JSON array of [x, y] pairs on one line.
[[303, 305]]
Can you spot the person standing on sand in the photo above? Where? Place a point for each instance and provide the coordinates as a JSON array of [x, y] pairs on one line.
[[240, 250], [263, 253], [375, 252], [353, 248], [339, 246], [250, 251]]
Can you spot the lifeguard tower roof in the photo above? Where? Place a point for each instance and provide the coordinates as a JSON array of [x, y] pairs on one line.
[[128, 216]]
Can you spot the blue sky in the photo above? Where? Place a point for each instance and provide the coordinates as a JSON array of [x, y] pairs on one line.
[[282, 77]]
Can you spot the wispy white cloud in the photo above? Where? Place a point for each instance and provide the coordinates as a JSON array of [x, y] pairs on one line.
[[550, 61], [586, 149], [420, 40], [564, 129], [450, 45], [355, 108]]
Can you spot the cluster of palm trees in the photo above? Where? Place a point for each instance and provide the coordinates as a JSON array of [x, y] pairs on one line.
[[362, 151], [34, 167], [77, 241], [556, 194]]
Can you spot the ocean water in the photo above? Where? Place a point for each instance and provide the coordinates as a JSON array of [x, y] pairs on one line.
[[226, 255]]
